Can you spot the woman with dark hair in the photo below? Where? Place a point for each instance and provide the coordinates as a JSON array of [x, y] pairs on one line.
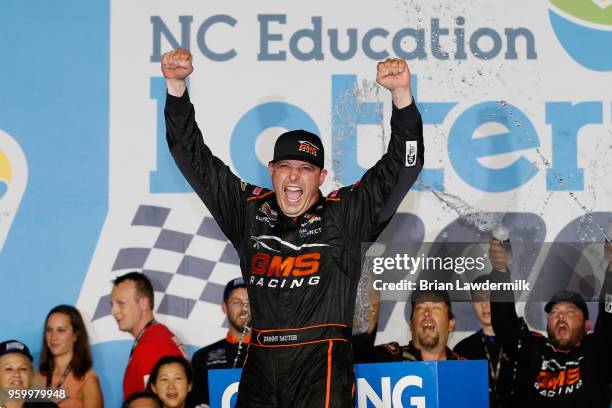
[[170, 380], [65, 360]]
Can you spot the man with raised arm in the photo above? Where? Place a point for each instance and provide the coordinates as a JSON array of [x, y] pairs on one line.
[[567, 368], [299, 250]]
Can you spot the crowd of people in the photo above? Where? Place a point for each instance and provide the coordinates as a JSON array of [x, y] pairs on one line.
[[566, 368]]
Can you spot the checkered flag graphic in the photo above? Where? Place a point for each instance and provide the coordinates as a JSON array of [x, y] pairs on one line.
[[179, 264]]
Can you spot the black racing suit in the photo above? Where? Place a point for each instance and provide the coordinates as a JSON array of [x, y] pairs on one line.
[[301, 272], [548, 376]]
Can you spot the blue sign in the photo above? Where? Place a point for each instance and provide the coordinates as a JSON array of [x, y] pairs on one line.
[[423, 385]]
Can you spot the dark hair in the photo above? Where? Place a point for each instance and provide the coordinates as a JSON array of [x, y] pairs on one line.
[[431, 296], [480, 295], [142, 394], [451, 316], [143, 285], [81, 355], [165, 360]]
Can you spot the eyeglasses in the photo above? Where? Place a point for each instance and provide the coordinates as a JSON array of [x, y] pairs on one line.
[[238, 303]]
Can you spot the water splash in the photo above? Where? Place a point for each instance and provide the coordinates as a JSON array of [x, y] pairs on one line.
[[363, 302], [558, 177], [481, 220], [346, 114]]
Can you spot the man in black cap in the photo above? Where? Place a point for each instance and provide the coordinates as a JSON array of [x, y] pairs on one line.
[[17, 373], [300, 252], [569, 367], [228, 352], [431, 322]]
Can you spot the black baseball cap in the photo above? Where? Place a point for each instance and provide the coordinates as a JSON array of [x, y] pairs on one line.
[[231, 285], [568, 296], [299, 145], [15, 346]]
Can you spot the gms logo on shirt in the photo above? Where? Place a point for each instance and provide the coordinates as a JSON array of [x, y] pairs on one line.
[[13, 180], [556, 379]]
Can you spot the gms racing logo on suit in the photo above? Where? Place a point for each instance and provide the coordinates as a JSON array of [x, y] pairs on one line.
[[270, 269], [275, 271]]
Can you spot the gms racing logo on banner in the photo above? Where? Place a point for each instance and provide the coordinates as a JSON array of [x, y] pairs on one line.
[[13, 180], [584, 29]]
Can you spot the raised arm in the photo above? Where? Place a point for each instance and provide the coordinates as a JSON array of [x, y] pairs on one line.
[[370, 204], [223, 193], [510, 330]]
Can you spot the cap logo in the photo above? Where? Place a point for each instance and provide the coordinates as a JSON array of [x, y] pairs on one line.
[[306, 146], [14, 346]]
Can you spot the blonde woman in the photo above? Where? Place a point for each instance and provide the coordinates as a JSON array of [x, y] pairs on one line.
[[17, 373]]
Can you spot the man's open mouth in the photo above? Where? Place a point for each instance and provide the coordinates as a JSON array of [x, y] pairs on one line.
[[293, 193]]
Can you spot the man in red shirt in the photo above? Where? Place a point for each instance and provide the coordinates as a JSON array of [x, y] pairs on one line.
[[132, 307]]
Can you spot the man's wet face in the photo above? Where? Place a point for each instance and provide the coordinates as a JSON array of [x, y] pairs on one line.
[[296, 184], [430, 324], [566, 325]]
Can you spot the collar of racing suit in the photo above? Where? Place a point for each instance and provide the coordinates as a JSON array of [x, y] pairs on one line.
[[230, 338]]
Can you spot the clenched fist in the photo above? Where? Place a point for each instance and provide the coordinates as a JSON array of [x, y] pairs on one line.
[[394, 74], [176, 66]]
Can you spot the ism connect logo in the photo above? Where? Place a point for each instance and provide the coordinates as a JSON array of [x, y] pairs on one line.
[[13, 180], [584, 29]]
